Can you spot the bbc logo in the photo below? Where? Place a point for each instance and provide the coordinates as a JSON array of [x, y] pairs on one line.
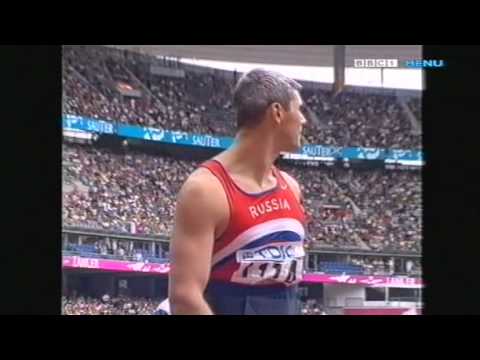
[[375, 63]]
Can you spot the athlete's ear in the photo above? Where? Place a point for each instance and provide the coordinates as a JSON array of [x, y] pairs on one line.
[[277, 112]]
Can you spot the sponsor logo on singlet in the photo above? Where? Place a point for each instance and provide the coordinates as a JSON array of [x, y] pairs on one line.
[[271, 252], [272, 263]]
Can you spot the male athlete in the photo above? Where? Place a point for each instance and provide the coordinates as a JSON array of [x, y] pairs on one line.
[[237, 245]]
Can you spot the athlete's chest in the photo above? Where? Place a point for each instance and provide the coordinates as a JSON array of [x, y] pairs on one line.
[[250, 212], [248, 186], [275, 212]]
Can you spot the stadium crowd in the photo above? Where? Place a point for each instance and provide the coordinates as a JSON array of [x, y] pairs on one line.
[[383, 266], [127, 188], [415, 105], [121, 305], [373, 210], [201, 103]]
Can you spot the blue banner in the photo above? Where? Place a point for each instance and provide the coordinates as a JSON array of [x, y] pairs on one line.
[[321, 151], [174, 137], [352, 153], [313, 152], [71, 122], [409, 155]]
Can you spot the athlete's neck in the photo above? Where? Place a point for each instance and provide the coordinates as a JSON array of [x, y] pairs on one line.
[[254, 155]]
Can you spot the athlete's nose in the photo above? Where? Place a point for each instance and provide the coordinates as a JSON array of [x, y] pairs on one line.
[[303, 120]]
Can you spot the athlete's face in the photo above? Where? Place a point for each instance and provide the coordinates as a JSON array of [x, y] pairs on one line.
[[292, 124]]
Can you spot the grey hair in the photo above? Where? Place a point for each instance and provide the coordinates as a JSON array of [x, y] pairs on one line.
[[257, 90]]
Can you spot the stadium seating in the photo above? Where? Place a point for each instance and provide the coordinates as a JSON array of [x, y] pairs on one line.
[[340, 268], [196, 102]]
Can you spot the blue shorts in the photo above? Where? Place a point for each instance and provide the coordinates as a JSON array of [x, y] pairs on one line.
[[233, 299], [160, 312]]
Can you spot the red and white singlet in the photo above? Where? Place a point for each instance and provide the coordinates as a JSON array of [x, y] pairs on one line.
[[263, 242]]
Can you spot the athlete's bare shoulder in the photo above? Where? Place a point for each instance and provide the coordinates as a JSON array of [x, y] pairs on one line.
[[202, 177], [203, 191], [293, 184], [201, 182]]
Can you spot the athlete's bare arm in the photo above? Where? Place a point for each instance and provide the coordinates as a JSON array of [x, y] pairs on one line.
[[201, 207]]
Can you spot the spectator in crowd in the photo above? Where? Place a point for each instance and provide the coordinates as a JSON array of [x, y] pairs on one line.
[[415, 105], [409, 266]]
